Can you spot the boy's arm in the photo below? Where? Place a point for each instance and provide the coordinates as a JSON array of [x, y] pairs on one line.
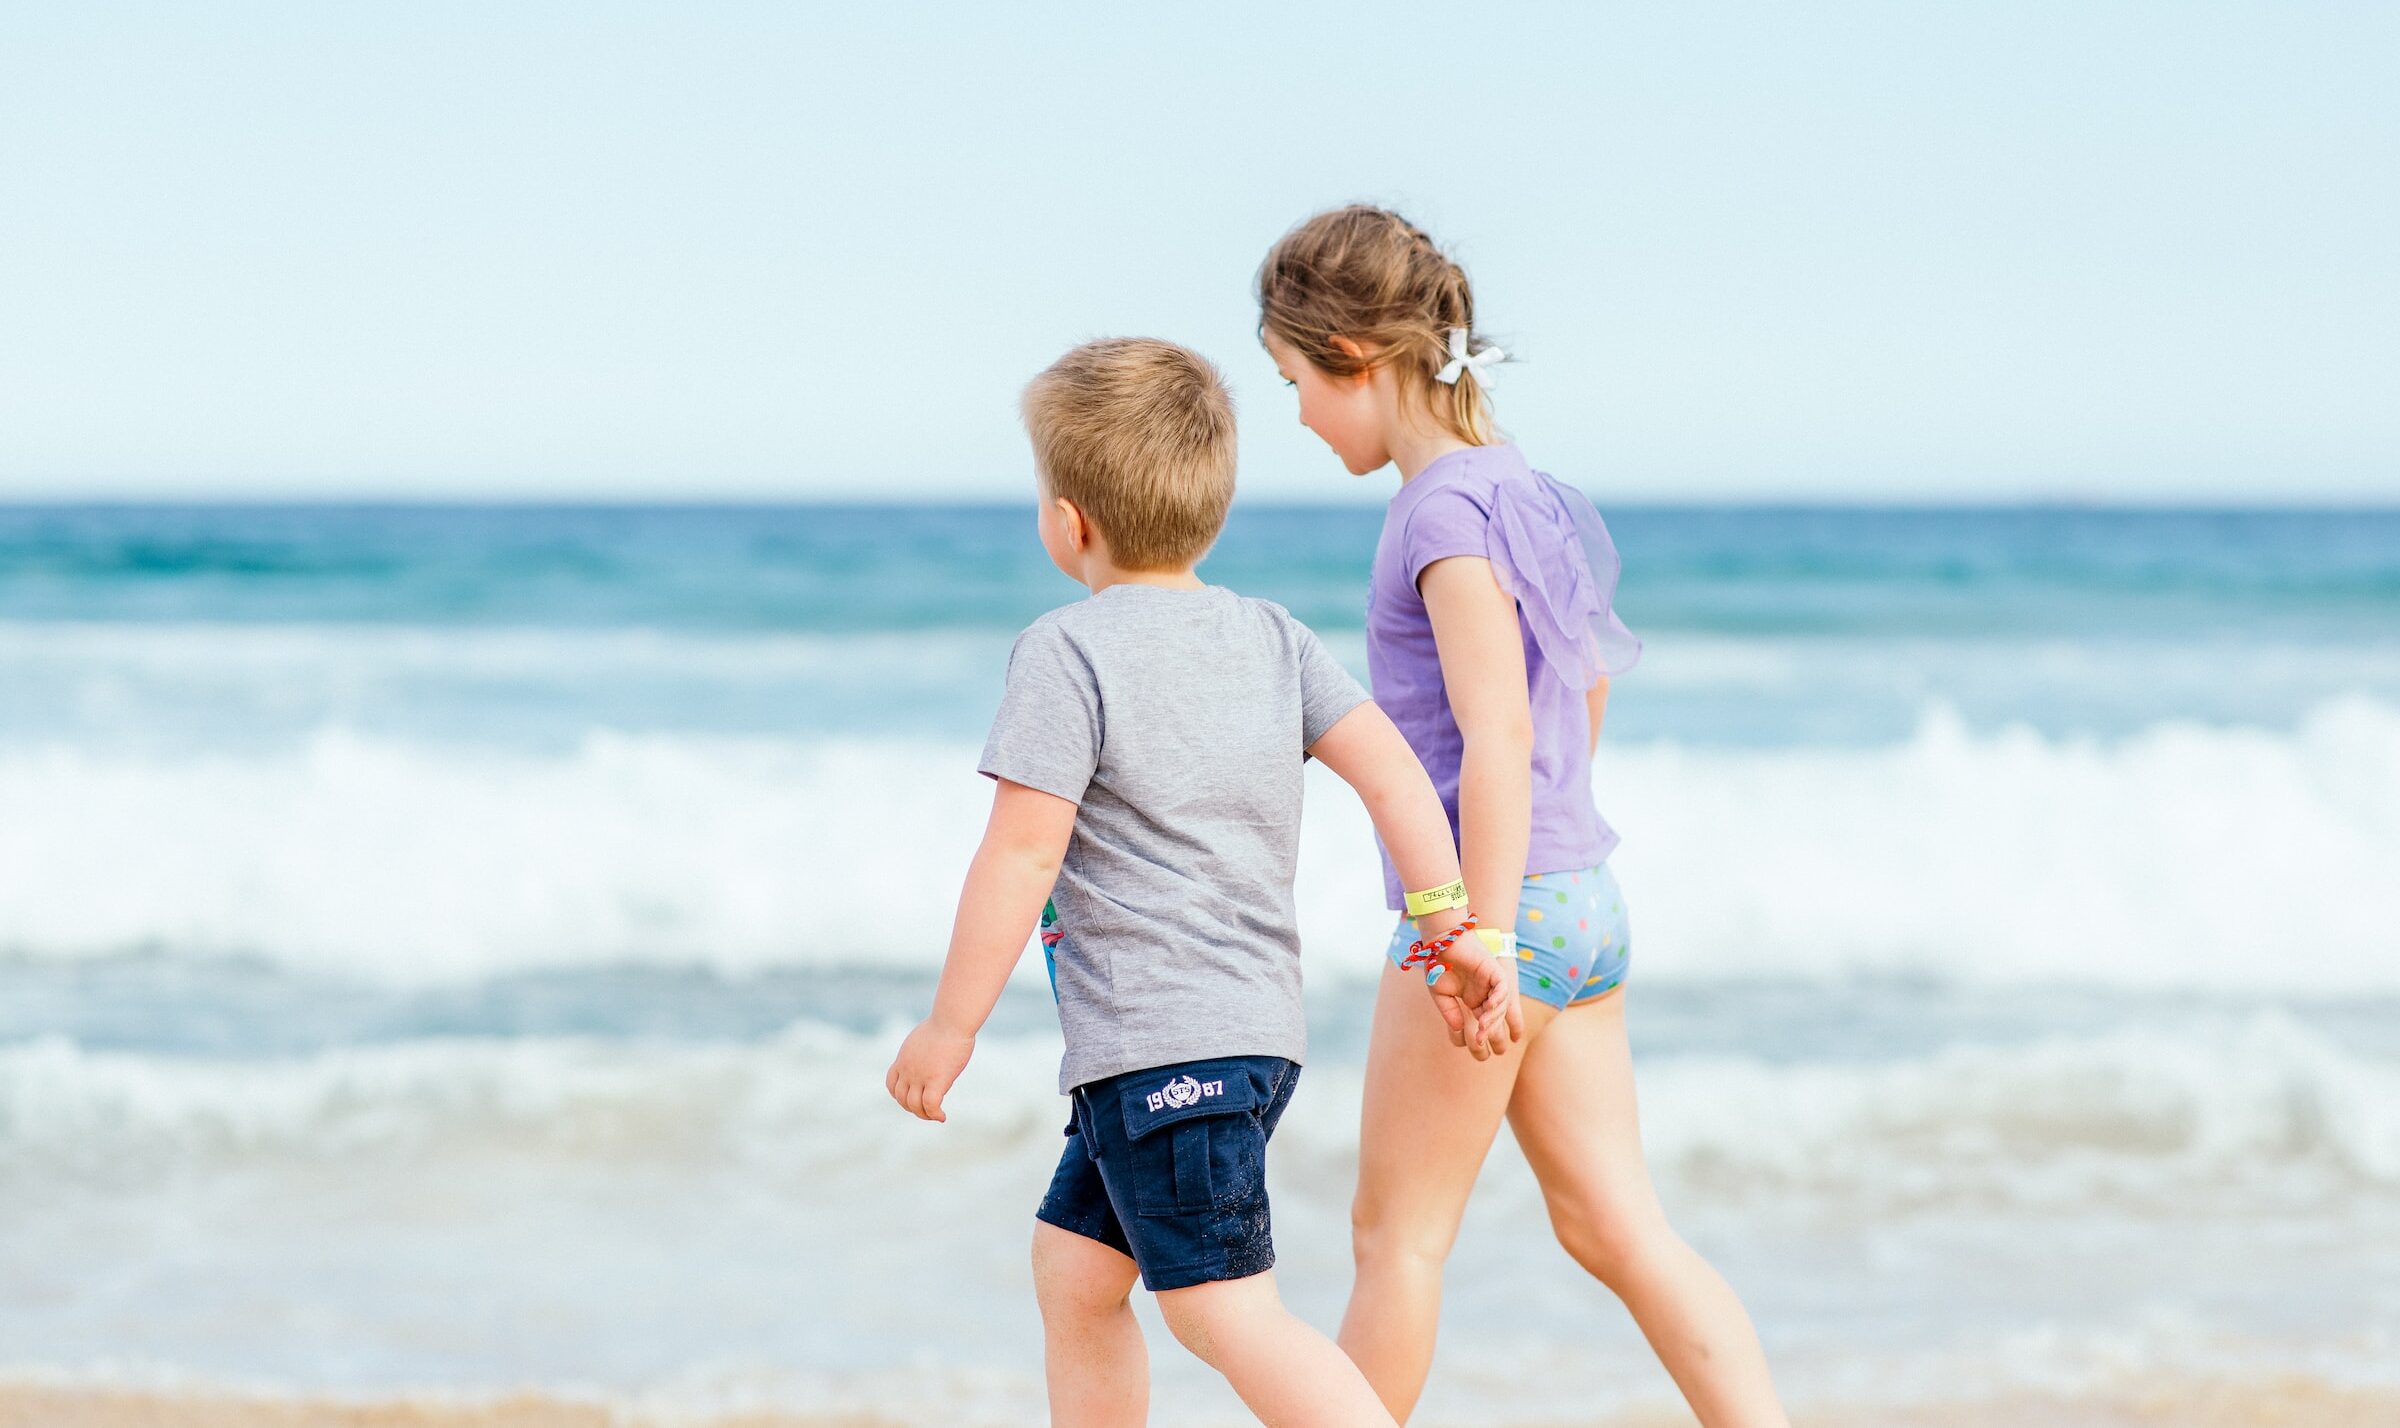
[[1368, 753], [1006, 885]]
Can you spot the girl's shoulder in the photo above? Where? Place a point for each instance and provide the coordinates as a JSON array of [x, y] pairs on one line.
[[1459, 490], [1447, 510], [1547, 545], [1472, 473]]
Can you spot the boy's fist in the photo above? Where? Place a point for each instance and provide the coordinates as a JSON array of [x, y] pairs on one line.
[[928, 1064]]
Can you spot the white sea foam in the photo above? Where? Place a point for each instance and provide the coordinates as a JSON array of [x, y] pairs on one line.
[[686, 1221], [2185, 856], [2221, 1112], [96, 667]]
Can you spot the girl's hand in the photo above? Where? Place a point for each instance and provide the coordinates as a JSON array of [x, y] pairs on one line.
[[1477, 997], [1503, 1015], [929, 1063], [1466, 1029]]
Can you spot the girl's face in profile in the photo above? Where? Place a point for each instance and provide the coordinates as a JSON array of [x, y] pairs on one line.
[[1344, 412]]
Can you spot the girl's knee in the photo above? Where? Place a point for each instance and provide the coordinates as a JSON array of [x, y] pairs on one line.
[[1610, 1239], [1383, 1238]]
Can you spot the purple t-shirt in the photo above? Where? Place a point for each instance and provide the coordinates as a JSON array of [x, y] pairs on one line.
[[1551, 553]]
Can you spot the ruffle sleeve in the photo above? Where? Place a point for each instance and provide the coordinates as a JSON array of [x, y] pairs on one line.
[[1550, 551]]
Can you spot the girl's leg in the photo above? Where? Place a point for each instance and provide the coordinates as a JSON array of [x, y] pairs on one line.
[[1286, 1372], [1092, 1349], [1430, 1114], [1573, 1113]]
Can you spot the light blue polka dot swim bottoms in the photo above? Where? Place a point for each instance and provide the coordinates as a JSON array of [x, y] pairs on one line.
[[1573, 940]]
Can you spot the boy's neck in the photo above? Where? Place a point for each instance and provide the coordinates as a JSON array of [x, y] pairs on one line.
[[1101, 574]]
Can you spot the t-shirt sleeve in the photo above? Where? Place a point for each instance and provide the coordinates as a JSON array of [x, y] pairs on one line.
[[1446, 523], [1327, 691], [1047, 734]]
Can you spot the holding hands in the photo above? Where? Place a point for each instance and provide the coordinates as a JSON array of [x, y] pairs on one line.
[[1477, 996]]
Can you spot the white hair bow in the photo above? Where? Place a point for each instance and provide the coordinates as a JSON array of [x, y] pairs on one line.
[[1463, 361]]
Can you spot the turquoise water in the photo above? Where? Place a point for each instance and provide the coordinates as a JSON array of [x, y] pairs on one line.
[[1826, 571], [535, 624]]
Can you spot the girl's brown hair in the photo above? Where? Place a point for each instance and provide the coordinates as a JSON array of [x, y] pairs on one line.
[[1369, 275]]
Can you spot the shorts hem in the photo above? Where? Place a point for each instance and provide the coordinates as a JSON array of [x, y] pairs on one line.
[[1090, 1229], [1188, 1276], [1584, 998]]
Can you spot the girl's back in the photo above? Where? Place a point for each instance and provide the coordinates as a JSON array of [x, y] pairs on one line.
[[1548, 550]]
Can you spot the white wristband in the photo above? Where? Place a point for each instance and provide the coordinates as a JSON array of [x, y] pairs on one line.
[[1502, 945]]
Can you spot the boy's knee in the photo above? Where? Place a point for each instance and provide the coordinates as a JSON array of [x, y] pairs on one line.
[[1073, 1276], [1205, 1317], [1193, 1318]]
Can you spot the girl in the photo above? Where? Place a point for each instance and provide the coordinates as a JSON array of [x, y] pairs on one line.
[[1490, 640]]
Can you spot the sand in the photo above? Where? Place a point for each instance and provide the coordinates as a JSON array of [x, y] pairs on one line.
[[2294, 1403], [2183, 1404], [29, 1406]]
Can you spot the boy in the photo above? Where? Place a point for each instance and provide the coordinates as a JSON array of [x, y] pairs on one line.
[[1147, 760]]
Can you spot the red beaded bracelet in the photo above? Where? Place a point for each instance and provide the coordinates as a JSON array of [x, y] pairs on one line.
[[1422, 954]]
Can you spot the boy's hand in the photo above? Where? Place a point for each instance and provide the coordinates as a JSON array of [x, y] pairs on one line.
[[927, 1066], [1477, 997]]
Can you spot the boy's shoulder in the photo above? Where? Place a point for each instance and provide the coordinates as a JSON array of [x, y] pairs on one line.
[[1051, 622], [1071, 624], [1100, 630], [1101, 612]]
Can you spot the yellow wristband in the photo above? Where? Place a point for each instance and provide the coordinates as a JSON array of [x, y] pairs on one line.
[[1440, 899], [1502, 945]]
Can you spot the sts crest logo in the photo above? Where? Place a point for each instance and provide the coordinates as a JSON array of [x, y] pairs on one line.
[[1184, 1091]]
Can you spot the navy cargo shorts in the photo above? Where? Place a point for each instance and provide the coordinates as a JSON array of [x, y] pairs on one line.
[[1168, 1165]]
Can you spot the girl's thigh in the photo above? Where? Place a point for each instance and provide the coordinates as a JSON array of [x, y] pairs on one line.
[[1430, 1114], [1574, 1114]]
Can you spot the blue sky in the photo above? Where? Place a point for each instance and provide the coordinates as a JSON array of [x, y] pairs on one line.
[[1836, 251]]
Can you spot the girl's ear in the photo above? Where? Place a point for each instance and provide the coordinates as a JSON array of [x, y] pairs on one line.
[[1352, 349]]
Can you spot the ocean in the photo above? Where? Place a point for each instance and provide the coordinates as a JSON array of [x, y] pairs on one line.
[[455, 950]]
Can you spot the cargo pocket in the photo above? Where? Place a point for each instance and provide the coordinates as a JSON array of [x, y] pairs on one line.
[[1196, 1138]]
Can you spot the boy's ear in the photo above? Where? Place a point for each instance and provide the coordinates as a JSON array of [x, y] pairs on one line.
[[1070, 520]]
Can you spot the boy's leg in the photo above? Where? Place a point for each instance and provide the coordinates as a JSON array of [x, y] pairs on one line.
[[1083, 1271], [1092, 1352], [1287, 1372]]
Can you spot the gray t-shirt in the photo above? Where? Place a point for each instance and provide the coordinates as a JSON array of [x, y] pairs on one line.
[[1176, 720]]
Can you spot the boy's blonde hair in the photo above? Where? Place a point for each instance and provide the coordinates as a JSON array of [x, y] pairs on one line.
[[1369, 275], [1139, 434]]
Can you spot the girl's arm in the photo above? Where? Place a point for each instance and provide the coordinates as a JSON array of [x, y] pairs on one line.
[[1595, 703], [1367, 752], [1007, 883], [1482, 650]]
